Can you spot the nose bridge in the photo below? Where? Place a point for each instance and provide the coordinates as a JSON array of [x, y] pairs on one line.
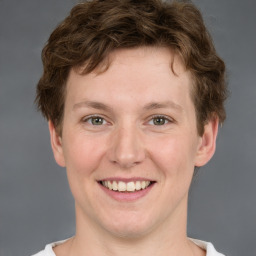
[[127, 147]]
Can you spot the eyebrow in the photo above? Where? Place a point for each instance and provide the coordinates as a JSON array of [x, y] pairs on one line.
[[166, 104], [149, 106], [92, 104]]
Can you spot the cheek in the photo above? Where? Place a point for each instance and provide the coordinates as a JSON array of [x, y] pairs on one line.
[[174, 155], [82, 154]]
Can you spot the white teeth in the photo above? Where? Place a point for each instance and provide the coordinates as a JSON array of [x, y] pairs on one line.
[[122, 186], [130, 186], [138, 185], [114, 185], [110, 185]]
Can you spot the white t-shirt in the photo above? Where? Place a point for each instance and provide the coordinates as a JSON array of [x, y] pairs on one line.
[[208, 247]]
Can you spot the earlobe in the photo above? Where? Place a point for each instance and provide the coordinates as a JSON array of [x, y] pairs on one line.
[[56, 144], [207, 145]]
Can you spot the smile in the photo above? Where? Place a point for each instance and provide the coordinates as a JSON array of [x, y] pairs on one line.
[[131, 186]]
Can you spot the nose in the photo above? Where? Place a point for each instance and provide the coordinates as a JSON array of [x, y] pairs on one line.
[[127, 148]]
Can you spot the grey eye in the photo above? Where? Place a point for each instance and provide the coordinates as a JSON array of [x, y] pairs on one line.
[[159, 120], [96, 120]]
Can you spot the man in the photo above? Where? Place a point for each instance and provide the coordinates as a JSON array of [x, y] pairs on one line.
[[133, 92]]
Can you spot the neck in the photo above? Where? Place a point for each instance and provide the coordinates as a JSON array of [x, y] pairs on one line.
[[169, 238]]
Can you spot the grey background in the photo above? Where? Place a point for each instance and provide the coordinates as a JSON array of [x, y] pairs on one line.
[[36, 206]]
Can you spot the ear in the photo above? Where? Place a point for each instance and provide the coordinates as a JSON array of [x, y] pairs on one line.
[[207, 143], [56, 143]]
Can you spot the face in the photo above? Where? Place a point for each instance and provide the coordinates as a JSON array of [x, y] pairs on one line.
[[130, 143]]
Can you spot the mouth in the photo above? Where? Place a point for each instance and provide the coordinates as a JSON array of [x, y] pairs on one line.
[[126, 187]]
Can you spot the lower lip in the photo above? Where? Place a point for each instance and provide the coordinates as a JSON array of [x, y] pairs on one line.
[[127, 196]]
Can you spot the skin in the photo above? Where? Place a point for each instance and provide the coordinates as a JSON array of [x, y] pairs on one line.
[[138, 87]]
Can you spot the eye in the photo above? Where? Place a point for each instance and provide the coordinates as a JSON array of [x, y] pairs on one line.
[[160, 120], [95, 120]]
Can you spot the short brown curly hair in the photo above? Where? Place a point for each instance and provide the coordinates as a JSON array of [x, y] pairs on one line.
[[95, 28]]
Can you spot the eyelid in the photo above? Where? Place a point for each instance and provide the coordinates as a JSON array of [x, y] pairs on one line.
[[86, 118], [167, 118]]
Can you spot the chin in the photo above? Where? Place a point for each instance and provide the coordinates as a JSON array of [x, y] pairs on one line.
[[129, 232], [129, 227]]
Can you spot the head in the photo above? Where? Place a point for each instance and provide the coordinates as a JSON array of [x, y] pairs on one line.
[[94, 29], [133, 91]]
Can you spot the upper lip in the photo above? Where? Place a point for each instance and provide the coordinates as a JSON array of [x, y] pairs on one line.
[[126, 179]]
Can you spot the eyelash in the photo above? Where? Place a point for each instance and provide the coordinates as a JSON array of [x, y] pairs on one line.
[[163, 117], [86, 119]]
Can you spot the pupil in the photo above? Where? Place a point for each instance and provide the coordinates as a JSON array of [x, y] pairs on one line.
[[159, 121], [97, 120]]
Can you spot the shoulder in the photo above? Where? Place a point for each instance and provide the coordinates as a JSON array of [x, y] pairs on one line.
[[208, 247], [48, 250]]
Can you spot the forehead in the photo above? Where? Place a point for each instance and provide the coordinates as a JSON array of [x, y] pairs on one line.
[[153, 56], [147, 71]]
